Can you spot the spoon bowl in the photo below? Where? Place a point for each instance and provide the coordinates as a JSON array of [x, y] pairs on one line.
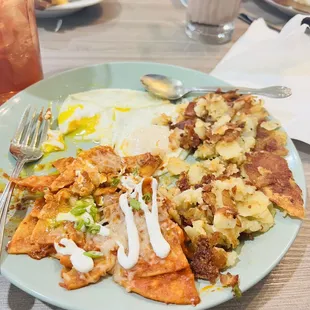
[[163, 87], [172, 89]]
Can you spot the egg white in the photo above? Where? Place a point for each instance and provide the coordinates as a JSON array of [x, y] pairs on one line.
[[121, 119]]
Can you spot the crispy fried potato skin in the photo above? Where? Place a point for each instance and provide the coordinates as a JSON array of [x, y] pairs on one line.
[[270, 173]]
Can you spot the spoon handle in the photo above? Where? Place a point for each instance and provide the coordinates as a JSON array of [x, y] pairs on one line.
[[272, 92]]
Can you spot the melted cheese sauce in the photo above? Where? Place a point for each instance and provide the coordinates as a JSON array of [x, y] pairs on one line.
[[79, 261]]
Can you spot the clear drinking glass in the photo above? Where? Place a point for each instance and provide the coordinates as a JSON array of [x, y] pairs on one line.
[[20, 61], [211, 21]]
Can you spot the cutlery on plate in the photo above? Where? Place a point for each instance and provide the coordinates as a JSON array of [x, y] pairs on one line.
[[25, 147], [250, 19], [172, 89]]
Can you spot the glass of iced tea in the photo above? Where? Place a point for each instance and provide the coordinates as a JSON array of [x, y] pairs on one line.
[[20, 61]]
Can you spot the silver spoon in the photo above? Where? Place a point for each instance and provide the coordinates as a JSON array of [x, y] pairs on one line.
[[172, 89]]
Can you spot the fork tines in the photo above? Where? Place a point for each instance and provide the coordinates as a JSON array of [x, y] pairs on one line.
[[32, 128]]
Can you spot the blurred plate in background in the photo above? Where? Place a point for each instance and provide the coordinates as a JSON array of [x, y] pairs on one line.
[[290, 7], [65, 9]]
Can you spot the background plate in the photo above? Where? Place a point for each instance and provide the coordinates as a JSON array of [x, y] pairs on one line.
[[66, 9], [289, 7], [41, 278]]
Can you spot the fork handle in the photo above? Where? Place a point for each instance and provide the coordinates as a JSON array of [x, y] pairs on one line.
[[6, 198]]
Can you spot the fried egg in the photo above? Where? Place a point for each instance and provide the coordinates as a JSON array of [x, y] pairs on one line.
[[91, 115], [134, 132], [119, 118]]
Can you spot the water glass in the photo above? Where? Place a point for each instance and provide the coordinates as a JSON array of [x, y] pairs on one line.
[[211, 21]]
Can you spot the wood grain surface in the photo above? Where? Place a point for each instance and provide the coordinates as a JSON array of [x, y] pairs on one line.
[[153, 30]]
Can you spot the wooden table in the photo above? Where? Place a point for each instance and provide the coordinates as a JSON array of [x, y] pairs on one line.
[[153, 30]]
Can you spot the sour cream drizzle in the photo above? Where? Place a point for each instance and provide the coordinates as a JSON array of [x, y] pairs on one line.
[[160, 246], [79, 261], [128, 261]]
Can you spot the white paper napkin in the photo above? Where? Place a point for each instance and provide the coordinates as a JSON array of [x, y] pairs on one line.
[[263, 57]]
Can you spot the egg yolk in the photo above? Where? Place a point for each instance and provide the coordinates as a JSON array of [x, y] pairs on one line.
[[84, 126], [123, 109], [67, 114]]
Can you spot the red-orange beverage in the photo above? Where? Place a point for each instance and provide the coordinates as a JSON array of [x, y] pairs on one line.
[[20, 62]]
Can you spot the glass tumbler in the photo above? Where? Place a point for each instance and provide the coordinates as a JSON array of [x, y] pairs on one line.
[[211, 21], [20, 61]]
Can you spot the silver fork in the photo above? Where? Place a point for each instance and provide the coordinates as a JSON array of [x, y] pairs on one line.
[[25, 147]]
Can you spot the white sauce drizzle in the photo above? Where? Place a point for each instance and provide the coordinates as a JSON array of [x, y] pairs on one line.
[[104, 231], [128, 261], [128, 183], [79, 261], [160, 246]]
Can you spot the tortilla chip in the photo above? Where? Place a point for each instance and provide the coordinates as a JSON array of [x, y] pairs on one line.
[[104, 158], [175, 261], [74, 279], [21, 242], [62, 163], [177, 287], [271, 174], [34, 182], [146, 164], [37, 207], [67, 177], [44, 234]]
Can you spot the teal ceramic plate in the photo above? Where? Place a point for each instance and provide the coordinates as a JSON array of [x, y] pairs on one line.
[[41, 278]]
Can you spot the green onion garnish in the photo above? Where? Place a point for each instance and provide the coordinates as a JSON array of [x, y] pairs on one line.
[[79, 210], [236, 290], [136, 171], [93, 212], [134, 203], [93, 254], [115, 181], [79, 224], [93, 229], [78, 151], [147, 197]]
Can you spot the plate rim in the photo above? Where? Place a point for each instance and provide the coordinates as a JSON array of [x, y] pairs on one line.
[[78, 4], [288, 10], [12, 279]]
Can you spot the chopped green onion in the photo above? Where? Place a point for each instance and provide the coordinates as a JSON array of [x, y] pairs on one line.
[[93, 254], [78, 210], [236, 290], [115, 181], [79, 224], [134, 203], [81, 204], [93, 212], [87, 222], [147, 197], [93, 229], [85, 203], [78, 151], [136, 171]]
